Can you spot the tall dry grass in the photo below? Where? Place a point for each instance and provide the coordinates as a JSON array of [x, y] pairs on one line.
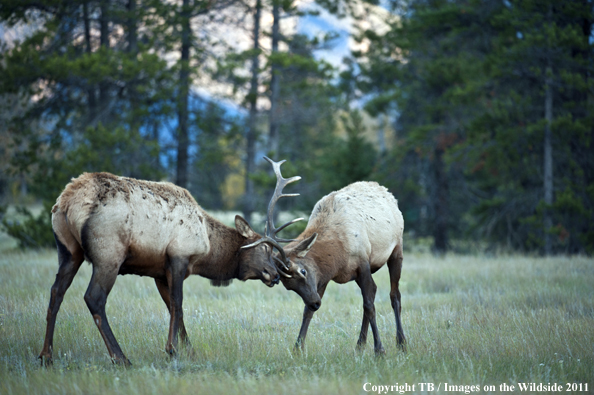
[[469, 320]]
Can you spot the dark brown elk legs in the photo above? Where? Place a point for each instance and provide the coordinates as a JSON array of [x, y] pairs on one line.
[[176, 273], [368, 288], [395, 268], [363, 334], [307, 316], [68, 268], [164, 292], [102, 281]]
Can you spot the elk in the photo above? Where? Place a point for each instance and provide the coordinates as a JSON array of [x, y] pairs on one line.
[[350, 235], [123, 226]]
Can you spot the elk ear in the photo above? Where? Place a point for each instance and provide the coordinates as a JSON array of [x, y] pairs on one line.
[[304, 246], [243, 227]]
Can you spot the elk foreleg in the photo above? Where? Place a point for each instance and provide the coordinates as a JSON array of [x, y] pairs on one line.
[[307, 316], [395, 268], [368, 289], [69, 265], [176, 273], [102, 281], [164, 292]]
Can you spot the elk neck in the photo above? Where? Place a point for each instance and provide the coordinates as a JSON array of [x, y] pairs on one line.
[[328, 253], [222, 260]]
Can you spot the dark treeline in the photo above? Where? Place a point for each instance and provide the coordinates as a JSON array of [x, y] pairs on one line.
[[495, 124], [489, 103]]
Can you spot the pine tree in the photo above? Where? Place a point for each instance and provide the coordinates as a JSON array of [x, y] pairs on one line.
[[541, 68]]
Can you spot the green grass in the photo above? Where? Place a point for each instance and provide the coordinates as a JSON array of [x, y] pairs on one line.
[[469, 320]]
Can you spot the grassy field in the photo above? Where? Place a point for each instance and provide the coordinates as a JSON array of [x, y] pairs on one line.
[[469, 321]]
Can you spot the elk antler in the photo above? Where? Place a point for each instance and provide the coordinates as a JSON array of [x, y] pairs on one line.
[[278, 193], [270, 231]]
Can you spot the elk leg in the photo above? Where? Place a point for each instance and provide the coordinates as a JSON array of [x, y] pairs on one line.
[[363, 334], [176, 273], [164, 292], [69, 265], [307, 316], [102, 281], [368, 289], [395, 268]]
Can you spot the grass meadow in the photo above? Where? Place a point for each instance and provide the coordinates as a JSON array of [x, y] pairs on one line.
[[470, 320]]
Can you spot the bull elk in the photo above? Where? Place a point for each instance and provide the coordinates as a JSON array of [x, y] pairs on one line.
[[350, 235], [122, 226]]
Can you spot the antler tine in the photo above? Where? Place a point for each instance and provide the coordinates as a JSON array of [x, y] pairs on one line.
[[280, 262], [271, 241], [283, 227], [281, 182], [289, 223]]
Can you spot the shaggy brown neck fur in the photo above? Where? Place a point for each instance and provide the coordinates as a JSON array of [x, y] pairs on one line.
[[327, 252], [222, 262]]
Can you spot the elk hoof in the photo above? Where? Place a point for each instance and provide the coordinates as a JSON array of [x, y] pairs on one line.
[[125, 362], [46, 360], [380, 352], [170, 351], [361, 346], [299, 348]]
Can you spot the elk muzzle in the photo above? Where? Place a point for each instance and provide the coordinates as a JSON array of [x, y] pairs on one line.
[[270, 279], [315, 305]]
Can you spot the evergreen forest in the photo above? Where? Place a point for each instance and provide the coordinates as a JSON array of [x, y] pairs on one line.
[[476, 114]]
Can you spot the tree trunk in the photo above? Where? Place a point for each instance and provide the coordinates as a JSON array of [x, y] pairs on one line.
[[381, 133], [104, 41], [248, 206], [184, 91], [548, 159], [440, 202], [132, 29], [275, 84], [132, 36], [135, 118], [91, 99], [548, 150]]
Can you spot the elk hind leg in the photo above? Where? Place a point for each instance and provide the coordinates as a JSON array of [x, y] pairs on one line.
[[102, 281], [363, 334], [395, 268], [69, 263], [368, 289]]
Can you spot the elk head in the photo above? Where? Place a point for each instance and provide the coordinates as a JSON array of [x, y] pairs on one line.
[[270, 240], [255, 258], [299, 272]]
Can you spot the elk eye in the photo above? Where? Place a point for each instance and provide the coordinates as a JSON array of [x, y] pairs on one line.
[[303, 272]]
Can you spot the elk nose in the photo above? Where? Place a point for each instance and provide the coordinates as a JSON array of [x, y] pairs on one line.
[[315, 306]]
